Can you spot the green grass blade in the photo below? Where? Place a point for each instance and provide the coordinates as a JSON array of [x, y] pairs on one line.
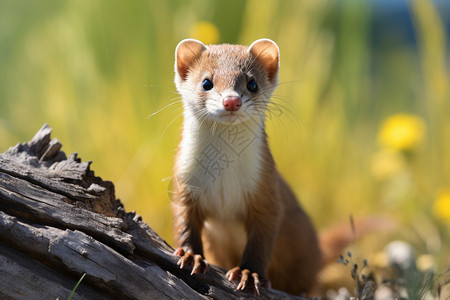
[[76, 286]]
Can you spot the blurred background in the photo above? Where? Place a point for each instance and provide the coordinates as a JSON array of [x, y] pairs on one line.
[[362, 129]]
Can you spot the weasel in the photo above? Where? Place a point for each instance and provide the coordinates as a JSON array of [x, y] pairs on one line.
[[230, 204]]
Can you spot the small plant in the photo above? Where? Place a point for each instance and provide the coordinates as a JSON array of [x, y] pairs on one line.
[[365, 285], [405, 282], [76, 286], [418, 285]]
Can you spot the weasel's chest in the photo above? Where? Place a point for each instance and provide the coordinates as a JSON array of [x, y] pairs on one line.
[[225, 170]]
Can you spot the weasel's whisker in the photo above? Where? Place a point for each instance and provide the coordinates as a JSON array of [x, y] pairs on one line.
[[287, 82], [203, 117], [167, 127], [289, 103], [285, 112], [175, 110], [164, 107]]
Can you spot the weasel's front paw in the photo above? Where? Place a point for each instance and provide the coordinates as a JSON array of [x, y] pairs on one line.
[[247, 278], [196, 261]]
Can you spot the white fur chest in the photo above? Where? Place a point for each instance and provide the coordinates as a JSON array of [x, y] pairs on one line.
[[223, 163]]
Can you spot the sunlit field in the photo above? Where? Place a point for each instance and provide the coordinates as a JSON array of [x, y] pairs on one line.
[[361, 126]]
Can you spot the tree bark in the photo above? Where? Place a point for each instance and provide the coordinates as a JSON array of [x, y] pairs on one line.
[[58, 221]]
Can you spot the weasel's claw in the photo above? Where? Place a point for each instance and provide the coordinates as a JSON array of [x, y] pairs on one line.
[[179, 252], [233, 273], [199, 265], [256, 283], [246, 280], [186, 259]]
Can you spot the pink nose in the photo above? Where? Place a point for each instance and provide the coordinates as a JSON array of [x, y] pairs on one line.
[[232, 103]]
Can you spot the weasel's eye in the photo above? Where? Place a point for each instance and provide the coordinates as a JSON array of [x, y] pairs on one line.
[[207, 85], [252, 86]]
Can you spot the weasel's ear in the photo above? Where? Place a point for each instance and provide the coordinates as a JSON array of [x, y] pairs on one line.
[[268, 54], [186, 53]]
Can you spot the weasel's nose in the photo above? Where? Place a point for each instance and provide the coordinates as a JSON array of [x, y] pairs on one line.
[[232, 103]]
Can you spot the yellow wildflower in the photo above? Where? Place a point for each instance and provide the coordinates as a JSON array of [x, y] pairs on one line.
[[379, 260], [205, 32], [441, 206], [386, 163], [425, 262], [402, 132]]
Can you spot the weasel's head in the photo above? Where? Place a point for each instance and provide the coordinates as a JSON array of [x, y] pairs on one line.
[[226, 83]]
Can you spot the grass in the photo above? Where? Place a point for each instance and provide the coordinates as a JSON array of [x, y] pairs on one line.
[[76, 286], [96, 71], [399, 280]]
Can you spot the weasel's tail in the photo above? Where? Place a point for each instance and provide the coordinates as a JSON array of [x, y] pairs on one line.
[[334, 240]]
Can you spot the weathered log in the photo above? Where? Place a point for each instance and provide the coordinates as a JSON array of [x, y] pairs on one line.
[[58, 221]]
